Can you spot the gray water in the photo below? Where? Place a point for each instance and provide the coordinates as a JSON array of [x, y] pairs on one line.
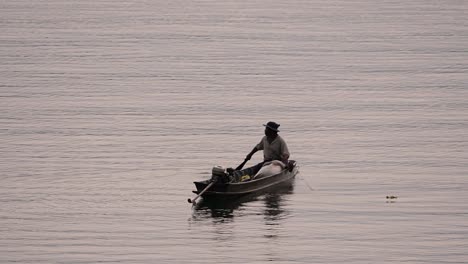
[[109, 110]]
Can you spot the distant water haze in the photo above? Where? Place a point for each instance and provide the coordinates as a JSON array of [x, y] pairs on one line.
[[109, 110]]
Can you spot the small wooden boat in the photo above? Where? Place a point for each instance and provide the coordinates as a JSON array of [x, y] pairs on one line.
[[220, 189]]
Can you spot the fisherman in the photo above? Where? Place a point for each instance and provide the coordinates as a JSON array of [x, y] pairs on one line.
[[274, 148]]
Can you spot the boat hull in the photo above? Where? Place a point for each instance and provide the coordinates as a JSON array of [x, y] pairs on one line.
[[232, 190]]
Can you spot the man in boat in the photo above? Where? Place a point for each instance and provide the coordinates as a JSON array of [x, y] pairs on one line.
[[274, 149]]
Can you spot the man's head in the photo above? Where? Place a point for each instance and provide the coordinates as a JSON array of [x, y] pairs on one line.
[[271, 128]]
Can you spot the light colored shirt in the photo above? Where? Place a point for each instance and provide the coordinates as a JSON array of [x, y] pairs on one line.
[[274, 150]]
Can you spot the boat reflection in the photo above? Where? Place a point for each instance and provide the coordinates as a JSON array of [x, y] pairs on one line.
[[224, 209]]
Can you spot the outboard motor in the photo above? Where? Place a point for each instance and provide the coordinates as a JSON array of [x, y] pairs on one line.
[[219, 174]]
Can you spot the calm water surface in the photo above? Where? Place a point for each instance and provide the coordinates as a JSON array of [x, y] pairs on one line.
[[109, 110]]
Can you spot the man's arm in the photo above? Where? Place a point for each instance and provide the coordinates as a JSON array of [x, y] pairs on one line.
[[249, 156], [284, 152]]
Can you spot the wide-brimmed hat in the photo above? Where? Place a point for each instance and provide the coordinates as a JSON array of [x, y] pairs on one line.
[[273, 126]]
